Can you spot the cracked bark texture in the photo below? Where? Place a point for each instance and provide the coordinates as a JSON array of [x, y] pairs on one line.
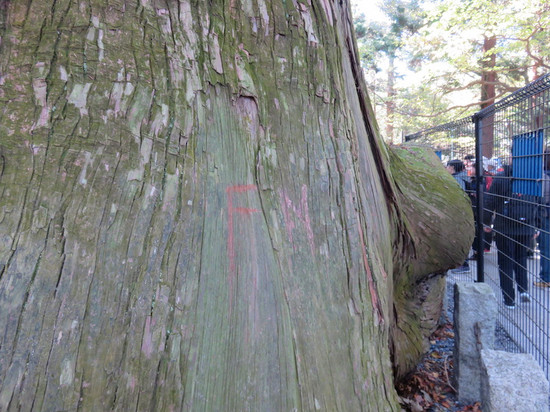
[[197, 212]]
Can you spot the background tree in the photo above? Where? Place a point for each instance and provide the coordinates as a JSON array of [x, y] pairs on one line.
[[197, 212], [380, 45], [467, 54]]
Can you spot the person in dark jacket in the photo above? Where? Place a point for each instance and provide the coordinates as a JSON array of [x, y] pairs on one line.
[[457, 169], [471, 191], [512, 238]]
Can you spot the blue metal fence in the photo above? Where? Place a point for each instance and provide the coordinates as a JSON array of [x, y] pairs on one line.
[[505, 152]]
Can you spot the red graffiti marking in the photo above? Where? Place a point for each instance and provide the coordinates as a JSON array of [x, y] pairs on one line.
[[245, 211], [231, 211]]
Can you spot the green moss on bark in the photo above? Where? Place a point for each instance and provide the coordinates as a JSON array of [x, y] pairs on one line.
[[439, 221]]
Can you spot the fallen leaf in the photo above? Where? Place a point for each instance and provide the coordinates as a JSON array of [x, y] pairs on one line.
[[427, 397]]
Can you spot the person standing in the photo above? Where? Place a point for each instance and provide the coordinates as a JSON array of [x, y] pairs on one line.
[[488, 172], [512, 235], [469, 164], [471, 191], [457, 169]]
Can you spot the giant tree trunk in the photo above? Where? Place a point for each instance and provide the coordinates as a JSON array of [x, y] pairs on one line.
[[197, 212]]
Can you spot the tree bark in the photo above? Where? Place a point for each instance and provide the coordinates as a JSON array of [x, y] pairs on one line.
[[198, 213], [438, 222]]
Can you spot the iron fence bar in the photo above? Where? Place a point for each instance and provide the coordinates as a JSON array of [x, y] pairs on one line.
[[440, 128], [480, 188], [513, 131], [536, 87]]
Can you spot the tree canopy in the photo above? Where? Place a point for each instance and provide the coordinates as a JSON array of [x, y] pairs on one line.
[[460, 51]]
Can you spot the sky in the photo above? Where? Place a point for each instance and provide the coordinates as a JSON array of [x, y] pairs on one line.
[[370, 8]]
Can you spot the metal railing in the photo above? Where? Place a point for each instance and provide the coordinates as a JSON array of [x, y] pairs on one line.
[[502, 149]]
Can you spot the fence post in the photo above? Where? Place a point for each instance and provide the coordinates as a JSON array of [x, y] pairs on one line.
[[480, 188]]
